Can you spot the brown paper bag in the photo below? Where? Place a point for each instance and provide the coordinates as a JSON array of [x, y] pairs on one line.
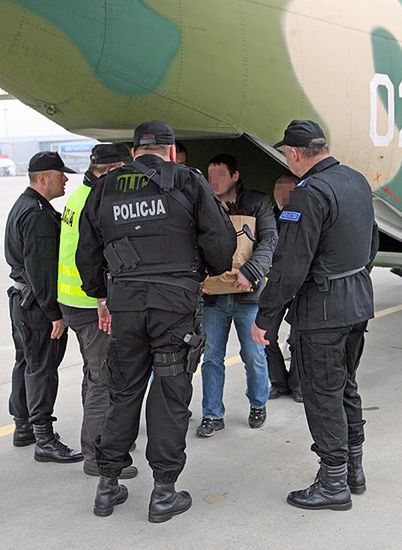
[[224, 284]]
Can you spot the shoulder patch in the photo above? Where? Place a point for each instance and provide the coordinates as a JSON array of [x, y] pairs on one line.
[[289, 216], [303, 183]]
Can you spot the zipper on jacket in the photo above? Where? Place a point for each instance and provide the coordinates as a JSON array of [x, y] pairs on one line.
[[325, 308]]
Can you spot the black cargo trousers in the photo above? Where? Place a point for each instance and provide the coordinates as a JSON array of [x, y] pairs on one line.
[[327, 361], [279, 377], [34, 380], [136, 337]]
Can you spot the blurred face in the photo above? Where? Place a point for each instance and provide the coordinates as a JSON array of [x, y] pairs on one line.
[[220, 180], [54, 183], [282, 191], [181, 157]]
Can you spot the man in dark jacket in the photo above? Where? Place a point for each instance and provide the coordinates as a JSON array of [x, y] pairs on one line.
[[240, 307], [157, 229], [325, 244], [283, 382], [80, 312], [31, 249]]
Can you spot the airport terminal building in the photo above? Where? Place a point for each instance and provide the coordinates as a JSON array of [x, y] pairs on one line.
[[74, 150]]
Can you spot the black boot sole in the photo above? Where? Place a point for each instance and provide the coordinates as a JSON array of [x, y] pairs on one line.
[[345, 506], [24, 443], [48, 459], [358, 490], [123, 475], [104, 512], [160, 518]]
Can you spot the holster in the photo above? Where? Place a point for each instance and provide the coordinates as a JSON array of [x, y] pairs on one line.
[[196, 343], [27, 297], [169, 363], [196, 339]]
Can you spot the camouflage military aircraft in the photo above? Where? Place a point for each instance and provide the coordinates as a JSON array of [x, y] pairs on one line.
[[227, 74]]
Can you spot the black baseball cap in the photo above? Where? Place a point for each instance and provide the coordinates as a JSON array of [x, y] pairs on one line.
[[153, 132], [303, 133], [108, 153], [48, 160]]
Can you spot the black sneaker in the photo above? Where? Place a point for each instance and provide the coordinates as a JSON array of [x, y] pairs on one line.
[[275, 393], [209, 426], [257, 417]]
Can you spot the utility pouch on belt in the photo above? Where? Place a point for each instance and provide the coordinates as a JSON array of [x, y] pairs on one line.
[[27, 297], [196, 343], [121, 255]]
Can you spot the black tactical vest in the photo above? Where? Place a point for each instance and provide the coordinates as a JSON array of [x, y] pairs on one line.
[[146, 231], [345, 241]]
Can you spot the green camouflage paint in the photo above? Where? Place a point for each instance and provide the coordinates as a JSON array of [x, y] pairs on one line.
[[121, 44]]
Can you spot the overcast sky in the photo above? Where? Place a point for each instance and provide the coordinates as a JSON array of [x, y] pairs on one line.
[[18, 120]]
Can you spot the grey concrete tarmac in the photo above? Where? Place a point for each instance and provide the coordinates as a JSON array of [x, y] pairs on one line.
[[239, 478]]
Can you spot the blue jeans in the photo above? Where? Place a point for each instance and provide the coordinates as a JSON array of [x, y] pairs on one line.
[[216, 324]]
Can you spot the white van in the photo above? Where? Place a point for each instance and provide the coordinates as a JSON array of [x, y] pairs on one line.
[[7, 167]]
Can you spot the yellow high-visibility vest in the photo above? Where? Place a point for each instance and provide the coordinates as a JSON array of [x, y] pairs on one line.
[[69, 282]]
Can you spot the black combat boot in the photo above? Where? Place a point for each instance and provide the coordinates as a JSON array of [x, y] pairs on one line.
[[23, 433], [356, 477], [108, 494], [329, 491], [48, 448], [166, 502], [318, 474]]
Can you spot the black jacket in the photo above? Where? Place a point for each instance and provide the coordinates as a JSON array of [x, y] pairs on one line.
[[32, 245], [216, 240], [254, 203], [308, 247]]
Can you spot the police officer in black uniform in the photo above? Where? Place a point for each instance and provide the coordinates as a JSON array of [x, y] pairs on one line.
[[157, 229], [325, 243], [31, 249]]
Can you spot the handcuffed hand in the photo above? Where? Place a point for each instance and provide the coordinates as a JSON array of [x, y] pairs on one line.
[[241, 282]]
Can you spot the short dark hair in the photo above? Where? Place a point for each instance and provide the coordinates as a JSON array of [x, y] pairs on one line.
[[288, 178], [228, 160], [104, 167], [180, 148], [153, 148]]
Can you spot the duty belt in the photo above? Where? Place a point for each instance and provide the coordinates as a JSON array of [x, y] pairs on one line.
[[19, 286], [345, 273], [188, 284], [322, 280]]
